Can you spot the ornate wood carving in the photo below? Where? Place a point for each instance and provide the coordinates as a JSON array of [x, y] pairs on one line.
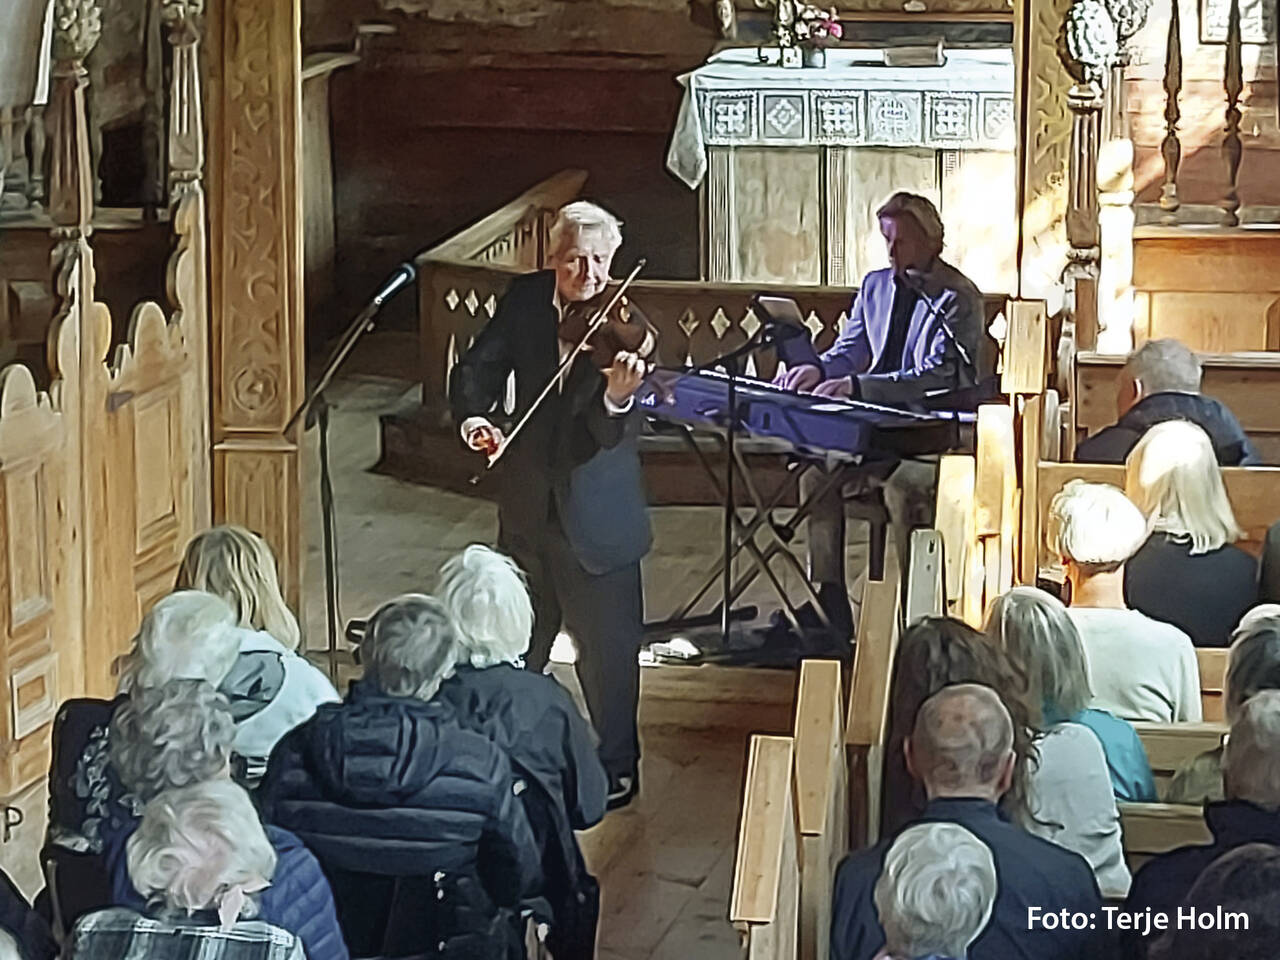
[[1233, 84], [1170, 148], [256, 303]]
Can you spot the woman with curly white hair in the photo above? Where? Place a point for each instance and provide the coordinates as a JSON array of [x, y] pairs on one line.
[[168, 738], [935, 893], [1189, 572], [271, 687], [201, 860], [1139, 668]]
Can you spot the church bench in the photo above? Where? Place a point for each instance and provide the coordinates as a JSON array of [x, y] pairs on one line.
[[1149, 829], [764, 904], [1213, 681], [1170, 745]]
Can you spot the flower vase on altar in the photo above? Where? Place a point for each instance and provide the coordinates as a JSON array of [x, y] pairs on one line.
[[803, 33], [813, 56]]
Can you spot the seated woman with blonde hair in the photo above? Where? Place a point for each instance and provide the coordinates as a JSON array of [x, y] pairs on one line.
[[271, 688], [201, 859], [1189, 572]]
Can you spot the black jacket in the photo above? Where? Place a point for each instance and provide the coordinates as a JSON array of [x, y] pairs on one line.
[[1112, 444], [413, 819], [573, 463], [1163, 881], [551, 745], [1031, 873], [1203, 595]]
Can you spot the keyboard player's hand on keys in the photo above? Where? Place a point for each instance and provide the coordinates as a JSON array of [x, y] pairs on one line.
[[799, 379], [841, 387]]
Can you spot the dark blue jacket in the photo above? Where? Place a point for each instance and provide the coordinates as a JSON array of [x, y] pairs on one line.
[[1112, 444], [398, 802], [1031, 872], [299, 899], [1163, 881]]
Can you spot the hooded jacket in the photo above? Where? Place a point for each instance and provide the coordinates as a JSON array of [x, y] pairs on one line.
[[1112, 444], [413, 819]]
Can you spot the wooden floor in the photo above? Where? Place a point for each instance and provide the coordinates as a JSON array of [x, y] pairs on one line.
[[665, 864]]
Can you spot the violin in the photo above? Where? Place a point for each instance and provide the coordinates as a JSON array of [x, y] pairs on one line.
[[625, 328]]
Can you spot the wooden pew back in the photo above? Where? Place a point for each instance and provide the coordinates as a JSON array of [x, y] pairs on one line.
[[822, 798], [1170, 745], [1154, 828], [867, 730], [764, 904], [1213, 681]]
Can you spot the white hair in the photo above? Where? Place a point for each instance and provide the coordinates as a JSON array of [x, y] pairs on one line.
[[1094, 525], [936, 891], [485, 593], [238, 565], [1251, 759], [410, 646], [197, 844], [9, 947], [1036, 631], [1257, 614], [1165, 366], [582, 217], [1172, 475], [171, 736], [918, 208], [188, 635]]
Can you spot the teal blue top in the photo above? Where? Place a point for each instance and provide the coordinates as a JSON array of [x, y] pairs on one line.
[[1127, 762]]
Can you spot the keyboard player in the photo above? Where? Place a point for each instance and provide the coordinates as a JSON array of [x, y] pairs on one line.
[[894, 350]]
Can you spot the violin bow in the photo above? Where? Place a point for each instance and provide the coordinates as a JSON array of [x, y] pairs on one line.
[[596, 323]]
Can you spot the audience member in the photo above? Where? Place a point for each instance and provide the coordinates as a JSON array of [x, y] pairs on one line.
[[1243, 882], [1159, 382], [188, 635], [534, 719], [1040, 637], [1139, 668], [935, 652], [1250, 814], [174, 736], [25, 933], [1269, 570], [201, 859], [1189, 572], [961, 748], [271, 688], [1252, 666], [1071, 797], [414, 818], [935, 893]]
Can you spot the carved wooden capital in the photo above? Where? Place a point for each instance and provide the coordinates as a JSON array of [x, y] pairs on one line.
[[77, 24], [182, 19], [1088, 41]]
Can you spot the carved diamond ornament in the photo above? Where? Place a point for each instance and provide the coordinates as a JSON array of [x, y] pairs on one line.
[[472, 302], [720, 323], [688, 322], [452, 299], [750, 324]]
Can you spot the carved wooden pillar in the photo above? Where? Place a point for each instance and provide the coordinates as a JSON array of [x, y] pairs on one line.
[[256, 341], [188, 279], [1170, 147], [77, 25], [1232, 148]]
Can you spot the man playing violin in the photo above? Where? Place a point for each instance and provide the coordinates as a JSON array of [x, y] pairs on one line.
[[572, 510], [895, 350]]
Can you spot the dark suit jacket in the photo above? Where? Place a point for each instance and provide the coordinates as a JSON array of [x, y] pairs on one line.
[[1164, 881], [1112, 444], [574, 463], [1031, 872]]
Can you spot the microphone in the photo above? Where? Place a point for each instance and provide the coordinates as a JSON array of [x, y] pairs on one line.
[[399, 279], [915, 281]]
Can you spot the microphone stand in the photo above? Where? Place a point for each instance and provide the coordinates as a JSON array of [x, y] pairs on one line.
[[315, 407]]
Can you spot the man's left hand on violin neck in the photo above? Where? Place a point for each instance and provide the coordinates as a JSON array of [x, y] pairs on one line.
[[625, 377]]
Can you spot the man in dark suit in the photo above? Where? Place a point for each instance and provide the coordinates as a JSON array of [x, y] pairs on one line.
[[571, 505], [1161, 381], [962, 750]]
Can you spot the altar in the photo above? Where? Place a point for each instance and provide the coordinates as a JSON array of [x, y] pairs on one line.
[[793, 163]]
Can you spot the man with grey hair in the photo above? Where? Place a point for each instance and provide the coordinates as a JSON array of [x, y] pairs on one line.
[[572, 510], [961, 749], [1161, 381], [414, 819], [935, 893], [1250, 814], [895, 348]]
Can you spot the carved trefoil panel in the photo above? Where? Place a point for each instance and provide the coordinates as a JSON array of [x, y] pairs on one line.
[[839, 117], [729, 117], [951, 118], [893, 118]]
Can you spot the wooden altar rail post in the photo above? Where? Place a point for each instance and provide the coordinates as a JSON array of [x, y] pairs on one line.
[[1083, 234], [764, 905], [1170, 146], [1232, 148]]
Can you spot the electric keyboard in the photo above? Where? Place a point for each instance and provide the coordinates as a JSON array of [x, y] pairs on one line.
[[816, 426]]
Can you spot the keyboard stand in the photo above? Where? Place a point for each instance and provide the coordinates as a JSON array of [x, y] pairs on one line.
[[744, 538]]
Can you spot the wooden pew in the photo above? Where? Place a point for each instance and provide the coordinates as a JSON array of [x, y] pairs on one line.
[[822, 798], [1213, 681], [879, 625], [764, 904], [1170, 745], [955, 522], [1153, 828], [926, 587]]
